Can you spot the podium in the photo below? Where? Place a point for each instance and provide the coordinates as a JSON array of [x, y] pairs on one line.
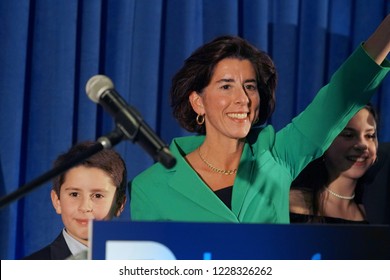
[[121, 240]]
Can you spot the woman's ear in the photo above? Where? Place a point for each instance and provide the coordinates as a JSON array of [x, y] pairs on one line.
[[121, 207], [55, 200], [197, 103], [375, 160]]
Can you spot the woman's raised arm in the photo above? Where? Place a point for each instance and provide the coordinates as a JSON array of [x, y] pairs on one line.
[[378, 44]]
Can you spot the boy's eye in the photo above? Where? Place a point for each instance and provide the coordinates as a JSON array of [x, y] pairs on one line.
[[73, 194], [97, 195]]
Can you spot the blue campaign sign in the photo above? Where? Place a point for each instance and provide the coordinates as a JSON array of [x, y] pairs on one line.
[[196, 241]]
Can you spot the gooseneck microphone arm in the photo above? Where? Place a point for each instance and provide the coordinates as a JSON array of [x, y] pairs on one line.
[[129, 125], [104, 142], [100, 89]]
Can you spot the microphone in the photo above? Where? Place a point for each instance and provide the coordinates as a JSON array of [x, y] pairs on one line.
[[100, 89]]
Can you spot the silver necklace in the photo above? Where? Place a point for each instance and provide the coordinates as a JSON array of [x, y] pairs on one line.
[[215, 169], [339, 195]]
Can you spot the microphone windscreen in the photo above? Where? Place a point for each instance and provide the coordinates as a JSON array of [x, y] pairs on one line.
[[97, 85]]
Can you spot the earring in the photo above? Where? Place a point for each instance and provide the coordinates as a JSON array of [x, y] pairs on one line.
[[200, 119], [375, 161]]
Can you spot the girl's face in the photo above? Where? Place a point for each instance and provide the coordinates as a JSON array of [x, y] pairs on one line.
[[87, 193], [230, 103], [354, 149]]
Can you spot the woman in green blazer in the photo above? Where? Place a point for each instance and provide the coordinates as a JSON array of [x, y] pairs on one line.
[[233, 171]]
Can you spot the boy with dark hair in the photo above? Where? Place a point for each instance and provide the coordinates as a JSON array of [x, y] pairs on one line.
[[93, 189]]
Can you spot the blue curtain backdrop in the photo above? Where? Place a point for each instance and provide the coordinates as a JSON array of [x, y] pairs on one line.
[[50, 48]]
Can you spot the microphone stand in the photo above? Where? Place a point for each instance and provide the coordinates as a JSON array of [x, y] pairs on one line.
[[104, 142]]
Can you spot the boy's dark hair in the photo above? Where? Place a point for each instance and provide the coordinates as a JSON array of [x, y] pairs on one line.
[[106, 160]]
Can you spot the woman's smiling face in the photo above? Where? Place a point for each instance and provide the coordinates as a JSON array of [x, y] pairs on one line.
[[230, 102]]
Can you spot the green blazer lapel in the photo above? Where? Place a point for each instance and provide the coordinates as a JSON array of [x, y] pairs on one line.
[[259, 141], [191, 186], [243, 179]]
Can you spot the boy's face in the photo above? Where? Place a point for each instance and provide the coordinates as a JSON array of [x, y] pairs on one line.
[[87, 193]]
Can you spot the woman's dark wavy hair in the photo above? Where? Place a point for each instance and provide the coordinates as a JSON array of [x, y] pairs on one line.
[[198, 69], [314, 177]]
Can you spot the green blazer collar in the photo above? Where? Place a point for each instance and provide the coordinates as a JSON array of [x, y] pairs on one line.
[[186, 181]]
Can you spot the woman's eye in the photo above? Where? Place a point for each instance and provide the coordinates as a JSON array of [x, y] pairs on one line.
[[346, 134], [251, 87], [225, 87], [97, 195]]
